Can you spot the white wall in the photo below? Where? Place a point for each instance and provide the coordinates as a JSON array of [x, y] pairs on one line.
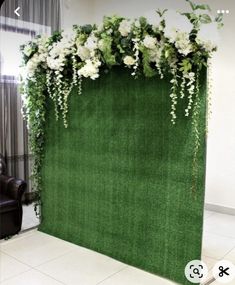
[[221, 141], [220, 186], [76, 12]]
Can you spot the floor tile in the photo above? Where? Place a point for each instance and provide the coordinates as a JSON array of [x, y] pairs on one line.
[[17, 237], [215, 246], [133, 276], [210, 262], [231, 257], [209, 278], [36, 248], [217, 283], [220, 224], [10, 267], [31, 277], [82, 266]]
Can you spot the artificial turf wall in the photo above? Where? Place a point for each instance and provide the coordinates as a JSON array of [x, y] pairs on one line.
[[119, 179]]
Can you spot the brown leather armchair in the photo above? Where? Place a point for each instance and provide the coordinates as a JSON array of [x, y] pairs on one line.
[[11, 191]]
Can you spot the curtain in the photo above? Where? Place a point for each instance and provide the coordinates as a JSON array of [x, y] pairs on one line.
[[43, 12], [14, 138], [36, 17]]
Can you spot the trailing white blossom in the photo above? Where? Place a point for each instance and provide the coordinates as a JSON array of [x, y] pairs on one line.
[[173, 95], [191, 88], [136, 50]]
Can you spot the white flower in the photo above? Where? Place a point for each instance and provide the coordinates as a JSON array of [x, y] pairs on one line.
[[153, 18], [83, 53], [58, 52], [176, 22], [32, 65], [129, 60], [150, 42], [155, 55], [56, 64], [43, 44], [182, 42], [208, 46], [92, 42], [90, 69], [125, 28], [137, 23], [208, 36]]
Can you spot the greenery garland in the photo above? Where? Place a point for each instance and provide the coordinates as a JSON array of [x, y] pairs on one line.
[[171, 42]]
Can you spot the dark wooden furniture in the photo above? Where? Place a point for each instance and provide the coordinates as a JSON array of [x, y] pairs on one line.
[[11, 191]]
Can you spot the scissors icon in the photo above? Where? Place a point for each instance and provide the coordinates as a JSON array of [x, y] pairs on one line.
[[223, 271]]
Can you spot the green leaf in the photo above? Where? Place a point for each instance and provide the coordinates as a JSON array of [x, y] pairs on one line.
[[193, 6], [87, 29], [107, 50], [186, 66], [161, 12], [143, 22], [205, 19], [203, 7]]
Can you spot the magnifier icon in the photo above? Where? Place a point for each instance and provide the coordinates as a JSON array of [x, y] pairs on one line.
[[196, 271]]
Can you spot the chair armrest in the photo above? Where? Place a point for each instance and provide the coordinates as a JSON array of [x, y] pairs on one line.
[[12, 187]]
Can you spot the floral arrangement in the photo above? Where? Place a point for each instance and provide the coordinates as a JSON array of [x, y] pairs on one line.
[[168, 42]]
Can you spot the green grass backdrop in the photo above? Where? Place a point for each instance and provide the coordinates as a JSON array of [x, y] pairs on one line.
[[118, 179]]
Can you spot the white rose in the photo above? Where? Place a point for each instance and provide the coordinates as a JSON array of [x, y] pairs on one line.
[[149, 42], [207, 45], [182, 43], [42, 57], [92, 42], [129, 60], [176, 22], [83, 53], [90, 69], [56, 64], [155, 55], [125, 28]]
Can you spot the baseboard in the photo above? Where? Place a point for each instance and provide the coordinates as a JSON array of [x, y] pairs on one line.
[[220, 209]]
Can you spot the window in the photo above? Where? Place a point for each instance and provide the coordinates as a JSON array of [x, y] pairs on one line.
[[13, 34], [10, 52]]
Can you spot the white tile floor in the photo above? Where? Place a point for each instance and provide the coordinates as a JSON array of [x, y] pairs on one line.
[[35, 258]]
